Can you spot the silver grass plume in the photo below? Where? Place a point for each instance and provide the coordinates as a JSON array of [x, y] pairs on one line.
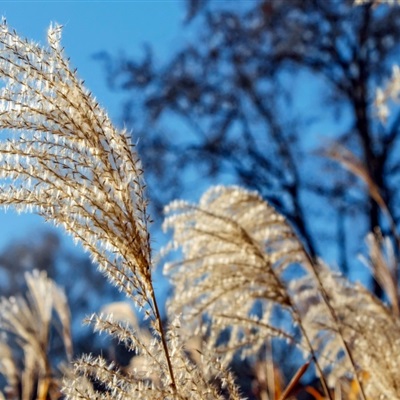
[[235, 251], [370, 328], [142, 379], [69, 163], [28, 322], [382, 262]]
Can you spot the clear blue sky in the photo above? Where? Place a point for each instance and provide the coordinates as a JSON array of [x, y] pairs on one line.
[[90, 27]]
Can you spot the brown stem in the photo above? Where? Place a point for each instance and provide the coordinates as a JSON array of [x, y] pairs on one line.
[[163, 340], [45, 381]]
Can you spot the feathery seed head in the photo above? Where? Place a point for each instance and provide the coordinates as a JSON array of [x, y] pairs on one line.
[[69, 163]]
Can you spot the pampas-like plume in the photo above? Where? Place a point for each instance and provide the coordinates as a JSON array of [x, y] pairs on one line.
[[29, 323], [69, 163], [370, 328], [236, 250], [227, 268]]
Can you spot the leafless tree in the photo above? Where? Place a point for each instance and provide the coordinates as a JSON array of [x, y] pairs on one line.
[[230, 105]]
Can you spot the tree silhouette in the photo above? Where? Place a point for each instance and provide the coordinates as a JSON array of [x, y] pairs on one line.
[[225, 107]]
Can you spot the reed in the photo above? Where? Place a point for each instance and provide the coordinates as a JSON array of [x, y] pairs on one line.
[[239, 265]]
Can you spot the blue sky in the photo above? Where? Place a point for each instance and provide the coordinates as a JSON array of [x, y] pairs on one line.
[[89, 28]]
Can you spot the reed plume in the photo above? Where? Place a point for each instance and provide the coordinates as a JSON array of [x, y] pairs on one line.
[[28, 324], [241, 261]]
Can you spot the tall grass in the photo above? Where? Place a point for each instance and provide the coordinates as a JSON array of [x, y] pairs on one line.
[[239, 266]]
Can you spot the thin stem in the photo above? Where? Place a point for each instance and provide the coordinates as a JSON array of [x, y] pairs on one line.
[[163, 340], [297, 319], [335, 318]]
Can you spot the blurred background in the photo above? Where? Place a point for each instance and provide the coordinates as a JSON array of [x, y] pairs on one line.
[[262, 93]]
